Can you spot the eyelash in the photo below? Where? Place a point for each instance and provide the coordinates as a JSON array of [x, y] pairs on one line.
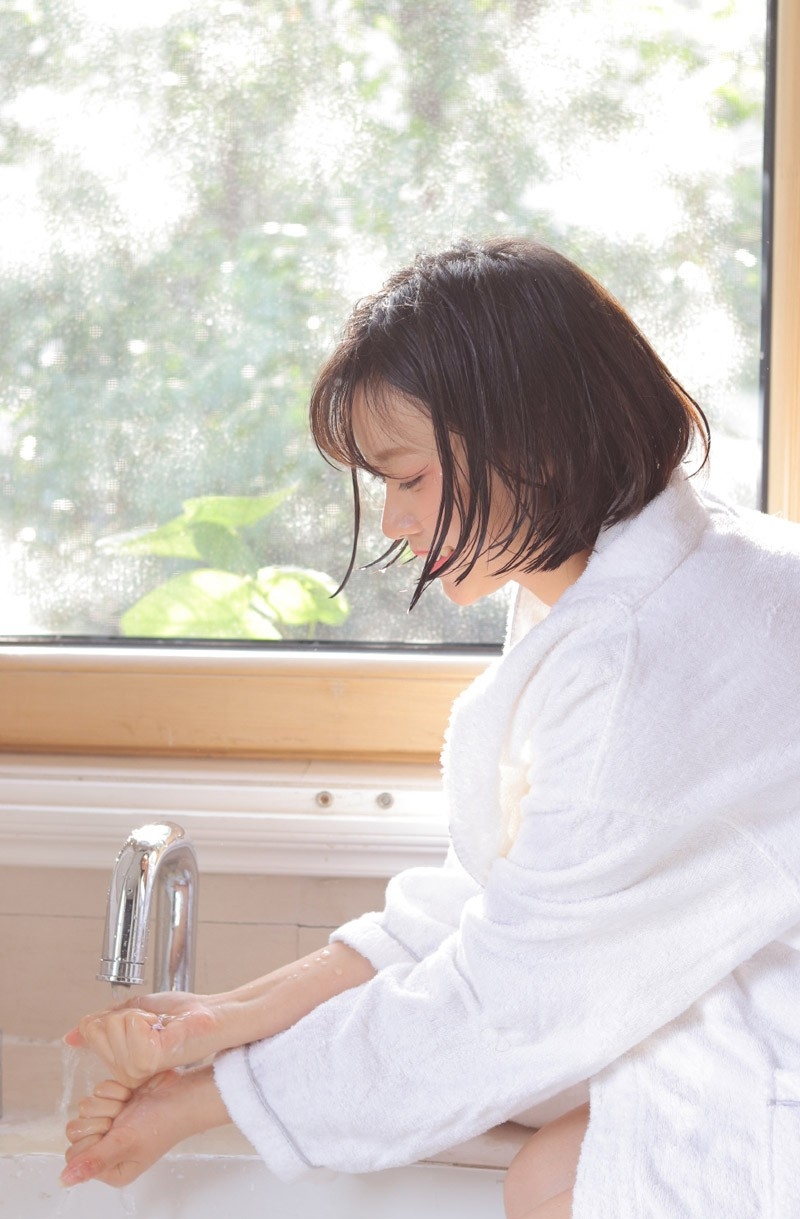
[[411, 484], [403, 486]]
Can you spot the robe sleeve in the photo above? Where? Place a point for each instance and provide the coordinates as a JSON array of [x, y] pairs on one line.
[[422, 907]]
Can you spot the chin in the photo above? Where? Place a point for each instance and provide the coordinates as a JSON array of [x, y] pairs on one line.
[[477, 585], [462, 594]]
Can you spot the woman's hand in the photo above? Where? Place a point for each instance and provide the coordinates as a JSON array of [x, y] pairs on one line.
[[155, 1033], [119, 1133], [151, 1034]]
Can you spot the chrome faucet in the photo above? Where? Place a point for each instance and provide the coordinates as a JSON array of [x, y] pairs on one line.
[[156, 859]]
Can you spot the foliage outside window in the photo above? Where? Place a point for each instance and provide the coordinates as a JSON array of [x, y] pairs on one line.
[[193, 194]]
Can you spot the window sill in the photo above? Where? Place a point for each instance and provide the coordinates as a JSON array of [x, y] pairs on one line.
[[257, 818], [218, 703]]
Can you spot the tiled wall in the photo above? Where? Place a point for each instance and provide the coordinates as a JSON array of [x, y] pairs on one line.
[[51, 926]]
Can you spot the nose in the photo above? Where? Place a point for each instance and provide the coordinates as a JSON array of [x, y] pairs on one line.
[[396, 521]]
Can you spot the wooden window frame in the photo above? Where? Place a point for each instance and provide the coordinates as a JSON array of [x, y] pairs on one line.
[[357, 706], [783, 454]]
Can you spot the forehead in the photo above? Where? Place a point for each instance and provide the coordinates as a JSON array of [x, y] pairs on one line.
[[388, 427]]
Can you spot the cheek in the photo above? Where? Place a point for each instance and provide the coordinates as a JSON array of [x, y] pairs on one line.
[[428, 503]]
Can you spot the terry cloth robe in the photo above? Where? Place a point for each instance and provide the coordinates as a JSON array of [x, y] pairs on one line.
[[641, 744]]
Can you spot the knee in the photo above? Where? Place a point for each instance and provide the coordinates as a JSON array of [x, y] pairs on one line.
[[546, 1165]]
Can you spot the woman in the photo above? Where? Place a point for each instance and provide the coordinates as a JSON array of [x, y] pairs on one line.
[[615, 916]]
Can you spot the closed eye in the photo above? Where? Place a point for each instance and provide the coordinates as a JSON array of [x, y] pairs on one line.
[[403, 485], [411, 484]]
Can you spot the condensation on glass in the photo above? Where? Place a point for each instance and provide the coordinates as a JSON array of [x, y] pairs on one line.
[[193, 195]]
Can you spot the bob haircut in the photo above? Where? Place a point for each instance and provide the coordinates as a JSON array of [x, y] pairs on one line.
[[530, 372]]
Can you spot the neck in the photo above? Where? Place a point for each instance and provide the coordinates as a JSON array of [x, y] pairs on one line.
[[548, 586]]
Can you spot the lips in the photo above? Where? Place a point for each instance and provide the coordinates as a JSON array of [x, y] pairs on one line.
[[443, 557]]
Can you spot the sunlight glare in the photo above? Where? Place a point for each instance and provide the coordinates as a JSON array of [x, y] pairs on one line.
[[122, 15]]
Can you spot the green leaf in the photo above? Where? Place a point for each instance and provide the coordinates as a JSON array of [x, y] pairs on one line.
[[223, 548], [180, 538], [201, 604], [235, 511], [174, 540], [299, 596]]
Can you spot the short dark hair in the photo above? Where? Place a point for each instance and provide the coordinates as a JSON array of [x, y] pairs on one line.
[[542, 375]]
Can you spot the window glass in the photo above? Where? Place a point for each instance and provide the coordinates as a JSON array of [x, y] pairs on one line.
[[192, 196]]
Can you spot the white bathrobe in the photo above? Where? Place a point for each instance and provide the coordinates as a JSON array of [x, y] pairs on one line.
[[639, 744]]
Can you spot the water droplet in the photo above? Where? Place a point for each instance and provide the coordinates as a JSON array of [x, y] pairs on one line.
[[338, 972], [326, 952], [305, 965]]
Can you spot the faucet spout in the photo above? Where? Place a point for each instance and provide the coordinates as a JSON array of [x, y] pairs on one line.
[[156, 861]]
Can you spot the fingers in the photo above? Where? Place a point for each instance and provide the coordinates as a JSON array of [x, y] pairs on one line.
[[80, 1146], [92, 1132], [112, 1089], [78, 1129], [96, 1113], [127, 1040], [133, 1045], [115, 1156], [85, 1167], [97, 1152], [100, 1106], [90, 1032], [75, 1035], [136, 1043], [144, 1003]]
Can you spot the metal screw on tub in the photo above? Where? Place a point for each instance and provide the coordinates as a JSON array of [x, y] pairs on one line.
[[384, 800], [324, 799]]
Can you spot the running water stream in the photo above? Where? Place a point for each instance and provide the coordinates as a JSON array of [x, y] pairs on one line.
[[91, 1072], [80, 1073], [70, 1059], [120, 993]]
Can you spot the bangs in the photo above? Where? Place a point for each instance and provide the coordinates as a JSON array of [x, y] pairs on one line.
[[331, 413], [332, 407]]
